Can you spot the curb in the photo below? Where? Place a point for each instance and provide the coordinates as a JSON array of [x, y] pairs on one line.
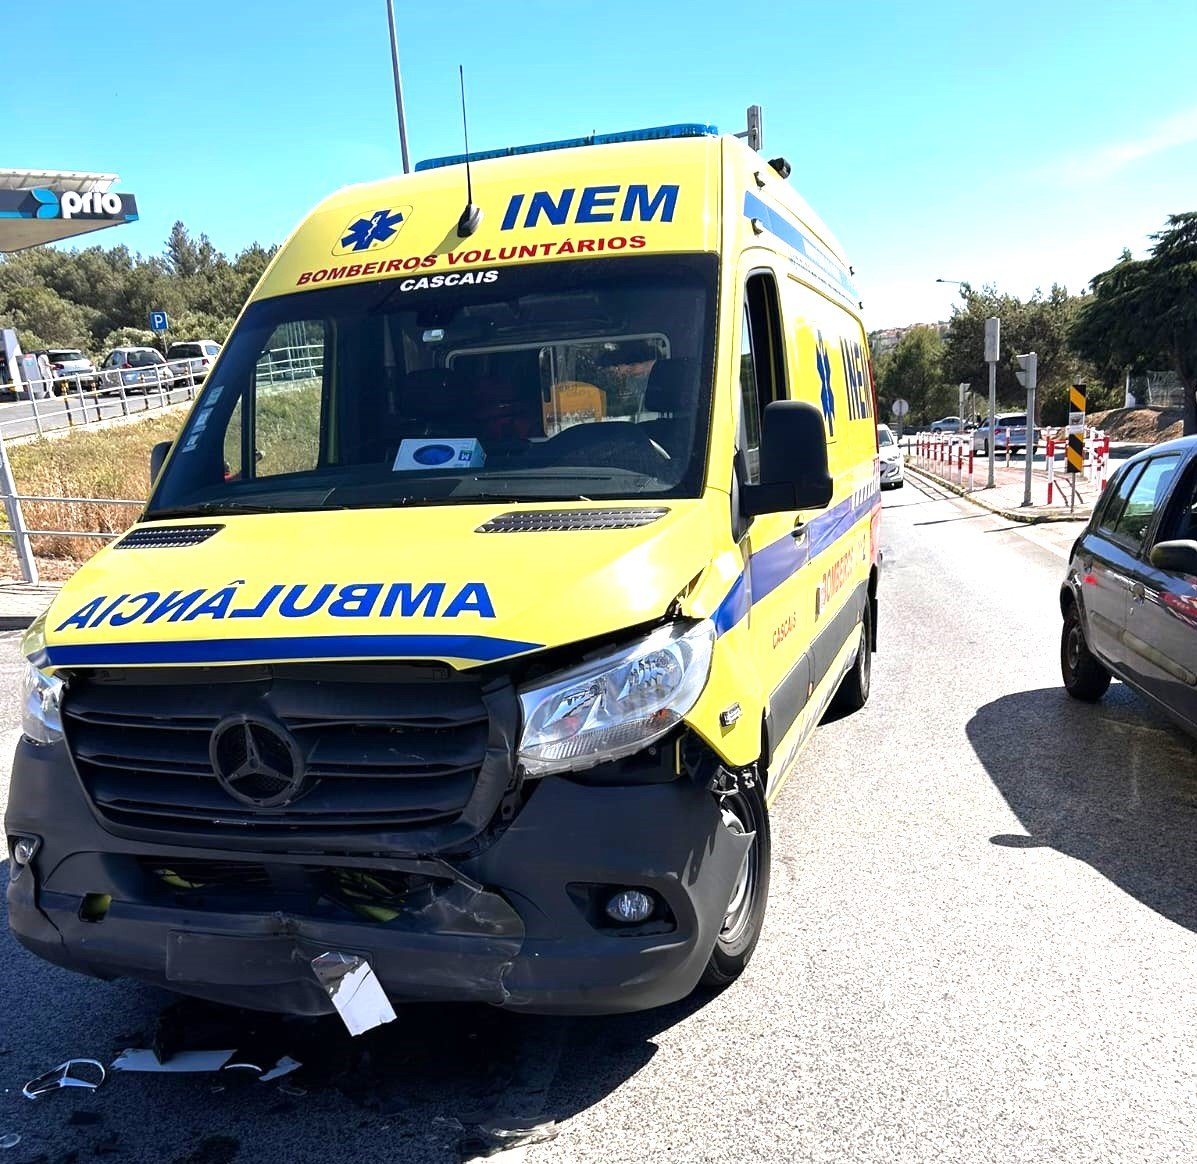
[[1008, 514]]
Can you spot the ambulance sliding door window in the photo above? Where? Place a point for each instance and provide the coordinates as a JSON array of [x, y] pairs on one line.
[[762, 366], [288, 395]]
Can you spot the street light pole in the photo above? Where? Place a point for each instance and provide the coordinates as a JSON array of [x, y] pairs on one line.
[[398, 87], [993, 342]]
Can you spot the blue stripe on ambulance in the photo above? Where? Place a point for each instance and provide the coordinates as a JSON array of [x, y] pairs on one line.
[[779, 561], [817, 260]]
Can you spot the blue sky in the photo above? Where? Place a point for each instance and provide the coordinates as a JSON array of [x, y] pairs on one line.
[[1018, 144]]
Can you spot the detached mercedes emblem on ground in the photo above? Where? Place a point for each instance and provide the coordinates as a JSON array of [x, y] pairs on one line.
[[257, 761]]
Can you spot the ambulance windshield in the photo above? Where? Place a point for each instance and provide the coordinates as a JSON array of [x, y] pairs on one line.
[[555, 381]]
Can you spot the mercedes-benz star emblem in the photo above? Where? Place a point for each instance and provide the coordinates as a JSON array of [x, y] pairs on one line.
[[257, 761]]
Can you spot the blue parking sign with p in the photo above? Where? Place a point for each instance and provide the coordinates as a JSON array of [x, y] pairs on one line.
[[158, 321]]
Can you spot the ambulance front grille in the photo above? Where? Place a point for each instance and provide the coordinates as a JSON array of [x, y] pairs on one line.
[[400, 749]]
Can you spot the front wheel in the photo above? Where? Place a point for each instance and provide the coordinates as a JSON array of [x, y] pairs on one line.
[[853, 691], [1084, 677], [744, 811]]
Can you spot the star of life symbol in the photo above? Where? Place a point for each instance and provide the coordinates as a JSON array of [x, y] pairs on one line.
[[826, 395], [371, 232]]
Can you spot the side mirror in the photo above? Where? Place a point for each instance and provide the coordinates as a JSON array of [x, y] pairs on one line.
[[794, 471], [158, 455], [1175, 557]]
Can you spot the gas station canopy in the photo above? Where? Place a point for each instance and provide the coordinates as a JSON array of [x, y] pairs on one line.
[[44, 206]]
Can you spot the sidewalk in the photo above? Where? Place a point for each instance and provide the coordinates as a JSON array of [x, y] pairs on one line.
[[1006, 496], [21, 602]]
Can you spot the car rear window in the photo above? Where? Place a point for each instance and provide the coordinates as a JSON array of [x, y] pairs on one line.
[[184, 352], [1145, 498], [61, 354], [143, 359]]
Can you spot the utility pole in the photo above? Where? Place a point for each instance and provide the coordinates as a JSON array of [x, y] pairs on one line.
[[993, 333], [1028, 377], [398, 87]]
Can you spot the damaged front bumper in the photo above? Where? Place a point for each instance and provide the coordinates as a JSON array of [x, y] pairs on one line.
[[516, 925]]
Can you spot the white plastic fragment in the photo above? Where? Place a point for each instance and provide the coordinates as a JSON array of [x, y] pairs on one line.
[[136, 1059], [351, 983], [10, 1141], [68, 1074]]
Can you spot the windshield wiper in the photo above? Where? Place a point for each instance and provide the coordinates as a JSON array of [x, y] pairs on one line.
[[216, 508]]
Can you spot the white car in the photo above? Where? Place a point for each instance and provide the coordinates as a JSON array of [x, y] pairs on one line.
[[191, 359], [893, 474]]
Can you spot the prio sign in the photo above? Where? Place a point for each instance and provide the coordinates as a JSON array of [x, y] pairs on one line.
[[93, 202]]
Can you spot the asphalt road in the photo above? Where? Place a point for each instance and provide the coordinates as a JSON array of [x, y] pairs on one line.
[[979, 947], [17, 416]]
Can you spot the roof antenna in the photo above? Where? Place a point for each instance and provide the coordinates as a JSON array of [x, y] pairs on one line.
[[471, 216]]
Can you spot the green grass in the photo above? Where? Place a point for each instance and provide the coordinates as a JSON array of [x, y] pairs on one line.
[[105, 462]]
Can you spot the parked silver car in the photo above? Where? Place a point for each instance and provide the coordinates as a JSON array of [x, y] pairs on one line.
[[190, 360], [140, 368], [1009, 430], [948, 424]]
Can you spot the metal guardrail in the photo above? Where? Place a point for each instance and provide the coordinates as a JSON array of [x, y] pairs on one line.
[[111, 398], [64, 402]]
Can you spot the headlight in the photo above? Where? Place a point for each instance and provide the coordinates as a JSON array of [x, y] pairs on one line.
[[615, 705], [40, 718]]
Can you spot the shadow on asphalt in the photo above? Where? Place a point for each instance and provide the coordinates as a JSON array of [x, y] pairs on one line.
[[420, 1087], [949, 520], [1112, 784]]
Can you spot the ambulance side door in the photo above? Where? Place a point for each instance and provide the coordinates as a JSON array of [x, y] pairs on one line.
[[780, 592], [829, 370]]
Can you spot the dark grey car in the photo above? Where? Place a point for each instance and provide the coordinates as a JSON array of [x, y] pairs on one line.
[[1129, 600]]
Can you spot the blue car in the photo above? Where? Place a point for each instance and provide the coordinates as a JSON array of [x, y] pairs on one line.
[[1129, 599]]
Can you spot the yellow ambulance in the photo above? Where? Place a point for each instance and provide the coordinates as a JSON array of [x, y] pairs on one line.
[[523, 531]]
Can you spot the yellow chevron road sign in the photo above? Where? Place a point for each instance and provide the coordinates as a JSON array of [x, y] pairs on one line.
[[1076, 428]]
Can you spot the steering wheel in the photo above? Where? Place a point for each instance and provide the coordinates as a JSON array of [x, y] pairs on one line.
[[609, 444]]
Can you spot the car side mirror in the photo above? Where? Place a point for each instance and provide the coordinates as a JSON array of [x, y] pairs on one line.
[[158, 455], [1178, 557], [794, 471]]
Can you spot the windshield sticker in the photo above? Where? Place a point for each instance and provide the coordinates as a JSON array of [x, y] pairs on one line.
[[213, 394], [192, 441], [475, 257], [301, 600], [201, 420], [439, 453]]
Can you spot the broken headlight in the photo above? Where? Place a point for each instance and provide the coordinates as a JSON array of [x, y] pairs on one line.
[[616, 704], [41, 695]]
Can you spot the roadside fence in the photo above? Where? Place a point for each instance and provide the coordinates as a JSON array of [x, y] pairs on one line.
[[101, 395], [73, 400], [953, 458]]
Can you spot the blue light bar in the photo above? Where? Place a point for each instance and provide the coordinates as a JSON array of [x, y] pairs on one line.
[[656, 133]]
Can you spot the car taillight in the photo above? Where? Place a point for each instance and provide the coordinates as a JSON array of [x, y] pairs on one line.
[[204, 362], [56, 367]]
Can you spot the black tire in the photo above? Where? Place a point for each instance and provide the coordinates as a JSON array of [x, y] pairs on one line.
[[853, 691], [1084, 677], [745, 811]]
